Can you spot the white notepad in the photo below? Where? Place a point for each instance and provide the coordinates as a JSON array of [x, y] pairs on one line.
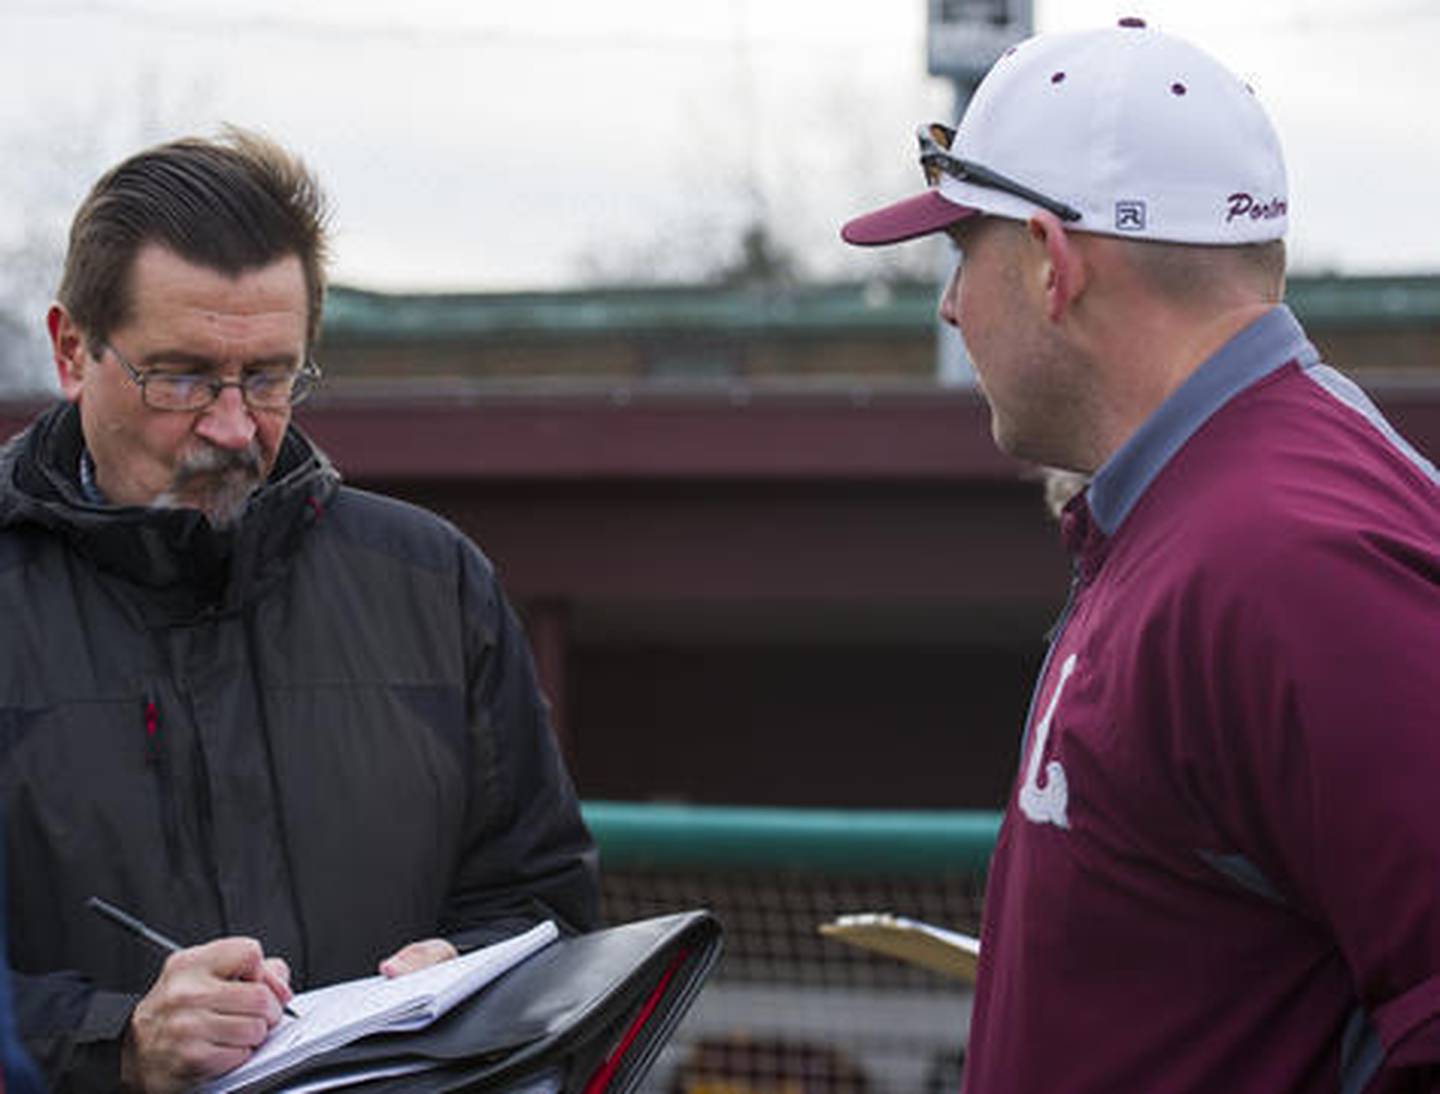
[[336, 1015]]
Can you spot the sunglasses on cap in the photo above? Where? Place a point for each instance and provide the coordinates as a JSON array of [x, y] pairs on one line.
[[937, 159]]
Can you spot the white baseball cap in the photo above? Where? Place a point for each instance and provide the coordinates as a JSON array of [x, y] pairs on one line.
[[1122, 131]]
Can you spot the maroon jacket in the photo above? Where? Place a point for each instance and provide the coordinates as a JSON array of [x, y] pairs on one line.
[[1220, 866]]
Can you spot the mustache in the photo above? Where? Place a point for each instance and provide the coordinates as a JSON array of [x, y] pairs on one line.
[[222, 462]]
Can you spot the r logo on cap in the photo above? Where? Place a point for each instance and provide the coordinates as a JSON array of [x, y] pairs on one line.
[[1129, 216]]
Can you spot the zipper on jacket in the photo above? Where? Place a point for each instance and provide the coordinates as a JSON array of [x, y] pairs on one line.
[[205, 816], [1052, 638], [157, 758]]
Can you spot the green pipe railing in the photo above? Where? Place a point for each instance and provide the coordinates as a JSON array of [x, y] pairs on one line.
[[635, 835]]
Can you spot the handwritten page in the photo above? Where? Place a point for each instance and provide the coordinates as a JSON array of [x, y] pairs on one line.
[[336, 1015]]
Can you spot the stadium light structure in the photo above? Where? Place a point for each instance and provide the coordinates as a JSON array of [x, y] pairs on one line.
[[963, 39]]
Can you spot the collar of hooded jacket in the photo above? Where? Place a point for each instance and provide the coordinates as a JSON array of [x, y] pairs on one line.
[[186, 566]]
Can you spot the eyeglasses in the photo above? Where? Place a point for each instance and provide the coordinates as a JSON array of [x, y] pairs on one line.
[[936, 159], [268, 389]]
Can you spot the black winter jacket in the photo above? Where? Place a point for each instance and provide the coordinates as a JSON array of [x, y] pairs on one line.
[[321, 730]]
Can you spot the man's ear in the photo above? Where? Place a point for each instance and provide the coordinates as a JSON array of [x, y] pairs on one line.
[[67, 345], [1063, 268]]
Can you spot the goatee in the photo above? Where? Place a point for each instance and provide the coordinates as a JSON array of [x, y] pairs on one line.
[[217, 481]]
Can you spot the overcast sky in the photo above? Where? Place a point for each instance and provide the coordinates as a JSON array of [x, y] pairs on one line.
[[482, 145]]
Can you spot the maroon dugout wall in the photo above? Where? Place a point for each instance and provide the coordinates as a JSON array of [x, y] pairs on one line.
[[821, 599]]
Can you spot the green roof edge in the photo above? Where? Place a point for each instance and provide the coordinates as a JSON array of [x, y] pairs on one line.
[[861, 309]]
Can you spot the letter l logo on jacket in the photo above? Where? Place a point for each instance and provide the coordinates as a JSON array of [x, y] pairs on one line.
[[1046, 804]]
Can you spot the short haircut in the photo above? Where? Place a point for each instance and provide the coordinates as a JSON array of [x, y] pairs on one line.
[[1195, 272], [233, 205]]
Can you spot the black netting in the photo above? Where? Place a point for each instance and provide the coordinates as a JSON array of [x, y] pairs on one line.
[[788, 1011]]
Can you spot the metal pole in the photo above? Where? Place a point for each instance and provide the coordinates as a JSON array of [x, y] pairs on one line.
[[963, 39], [952, 362]]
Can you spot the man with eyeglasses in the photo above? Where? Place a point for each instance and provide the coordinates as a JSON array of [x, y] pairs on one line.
[[1219, 868], [290, 724]]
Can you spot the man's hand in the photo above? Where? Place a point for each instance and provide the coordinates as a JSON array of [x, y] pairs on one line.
[[417, 956], [204, 1016]]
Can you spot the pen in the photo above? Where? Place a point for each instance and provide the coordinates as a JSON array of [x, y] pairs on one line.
[[145, 932]]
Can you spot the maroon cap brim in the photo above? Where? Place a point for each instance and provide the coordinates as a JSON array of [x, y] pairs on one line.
[[908, 219]]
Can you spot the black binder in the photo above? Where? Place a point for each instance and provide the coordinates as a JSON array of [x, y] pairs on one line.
[[592, 1010]]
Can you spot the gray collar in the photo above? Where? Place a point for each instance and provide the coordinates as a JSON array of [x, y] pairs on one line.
[[1274, 339]]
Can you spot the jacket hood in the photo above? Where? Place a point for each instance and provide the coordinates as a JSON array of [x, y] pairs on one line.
[[176, 550]]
